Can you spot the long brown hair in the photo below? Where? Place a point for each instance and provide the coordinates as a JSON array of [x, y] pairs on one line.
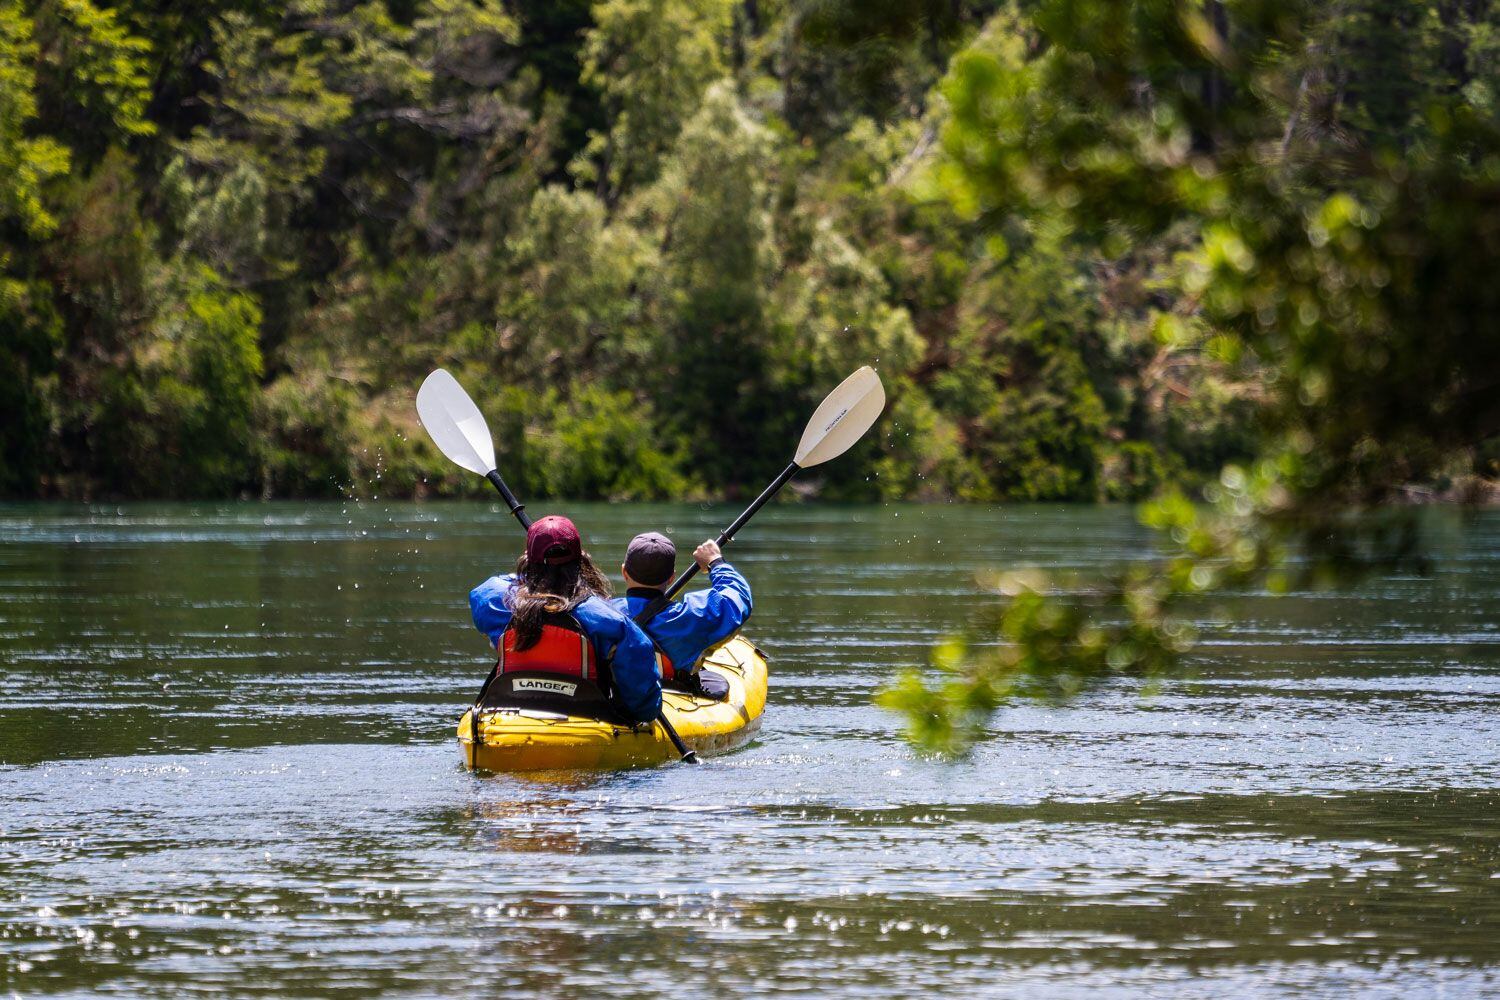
[[544, 589]]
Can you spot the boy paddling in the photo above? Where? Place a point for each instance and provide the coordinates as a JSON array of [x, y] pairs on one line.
[[684, 629]]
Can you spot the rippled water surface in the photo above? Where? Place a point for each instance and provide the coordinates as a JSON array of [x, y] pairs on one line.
[[227, 766]]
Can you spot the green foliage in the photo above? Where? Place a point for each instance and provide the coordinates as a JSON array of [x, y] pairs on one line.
[[30, 329], [1118, 246], [596, 449], [93, 73], [650, 61], [1039, 422], [868, 57], [26, 161], [302, 430], [572, 310], [1060, 635], [710, 209], [270, 102], [951, 717], [833, 290], [924, 457], [224, 223], [200, 370], [101, 265], [1338, 239], [1136, 470], [30, 332]]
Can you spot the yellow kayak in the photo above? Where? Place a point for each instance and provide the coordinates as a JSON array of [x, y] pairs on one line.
[[528, 740]]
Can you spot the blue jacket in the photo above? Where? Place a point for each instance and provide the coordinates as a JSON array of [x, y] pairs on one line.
[[616, 639], [685, 628]]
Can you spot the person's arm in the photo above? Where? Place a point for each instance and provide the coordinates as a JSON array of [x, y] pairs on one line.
[[725, 605], [490, 607], [637, 685]]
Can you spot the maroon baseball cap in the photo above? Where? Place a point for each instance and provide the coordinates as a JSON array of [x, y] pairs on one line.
[[552, 540]]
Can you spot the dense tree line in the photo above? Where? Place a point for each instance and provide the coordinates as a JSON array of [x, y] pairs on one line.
[[648, 234]]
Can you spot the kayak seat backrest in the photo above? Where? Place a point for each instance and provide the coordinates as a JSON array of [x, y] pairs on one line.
[[546, 692]]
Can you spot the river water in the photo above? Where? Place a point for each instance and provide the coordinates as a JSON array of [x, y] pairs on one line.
[[227, 766]]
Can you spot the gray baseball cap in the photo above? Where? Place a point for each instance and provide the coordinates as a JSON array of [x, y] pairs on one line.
[[650, 559]]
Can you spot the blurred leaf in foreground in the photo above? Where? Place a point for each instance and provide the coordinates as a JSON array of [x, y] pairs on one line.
[[1344, 234]]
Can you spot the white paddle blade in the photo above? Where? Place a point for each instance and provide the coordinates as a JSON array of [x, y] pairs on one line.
[[455, 424], [842, 419]]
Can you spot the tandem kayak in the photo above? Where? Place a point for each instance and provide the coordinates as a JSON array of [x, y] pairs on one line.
[[528, 740]]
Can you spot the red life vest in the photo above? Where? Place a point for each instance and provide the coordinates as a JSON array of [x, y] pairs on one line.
[[562, 649], [664, 667]]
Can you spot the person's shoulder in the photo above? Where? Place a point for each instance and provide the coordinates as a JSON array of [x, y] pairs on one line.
[[611, 609], [493, 591], [497, 583]]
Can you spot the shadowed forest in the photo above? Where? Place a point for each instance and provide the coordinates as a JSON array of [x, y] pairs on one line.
[[1096, 249]]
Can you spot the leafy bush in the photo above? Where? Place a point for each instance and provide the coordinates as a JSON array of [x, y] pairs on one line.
[[199, 385], [596, 448]]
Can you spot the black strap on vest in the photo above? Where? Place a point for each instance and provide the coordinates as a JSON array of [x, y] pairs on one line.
[[656, 602], [651, 595]]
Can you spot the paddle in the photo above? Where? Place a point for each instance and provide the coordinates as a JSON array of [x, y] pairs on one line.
[[839, 421], [458, 429]]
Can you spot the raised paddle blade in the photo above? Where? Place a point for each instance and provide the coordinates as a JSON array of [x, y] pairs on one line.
[[455, 424], [842, 419]]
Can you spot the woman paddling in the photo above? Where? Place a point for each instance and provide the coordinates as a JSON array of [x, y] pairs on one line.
[[553, 628]]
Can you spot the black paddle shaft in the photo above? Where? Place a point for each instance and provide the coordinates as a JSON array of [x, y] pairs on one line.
[[516, 507], [688, 756], [653, 609]]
